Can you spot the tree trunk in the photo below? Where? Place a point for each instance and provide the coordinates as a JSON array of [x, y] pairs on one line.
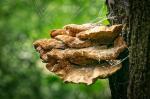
[[132, 81], [139, 80]]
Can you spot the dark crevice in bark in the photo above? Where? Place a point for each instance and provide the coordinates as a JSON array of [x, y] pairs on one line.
[[118, 14], [119, 81]]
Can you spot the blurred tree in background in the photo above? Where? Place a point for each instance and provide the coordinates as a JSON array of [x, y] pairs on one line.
[[22, 74]]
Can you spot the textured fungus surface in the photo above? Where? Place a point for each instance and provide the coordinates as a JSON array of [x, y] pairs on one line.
[[82, 74], [94, 52], [74, 29], [102, 34], [82, 53], [74, 42]]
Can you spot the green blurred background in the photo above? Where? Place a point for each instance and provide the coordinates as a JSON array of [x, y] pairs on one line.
[[22, 74]]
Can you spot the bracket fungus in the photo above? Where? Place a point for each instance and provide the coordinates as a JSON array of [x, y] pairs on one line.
[[82, 53]]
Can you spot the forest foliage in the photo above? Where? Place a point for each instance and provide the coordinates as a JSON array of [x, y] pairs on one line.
[[22, 74]]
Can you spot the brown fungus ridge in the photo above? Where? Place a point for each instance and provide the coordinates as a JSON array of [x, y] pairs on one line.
[[82, 74], [83, 61], [43, 54], [94, 52], [43, 46], [74, 42], [75, 28], [56, 32], [102, 34], [48, 44]]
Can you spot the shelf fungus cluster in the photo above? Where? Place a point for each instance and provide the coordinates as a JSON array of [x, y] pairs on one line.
[[82, 53]]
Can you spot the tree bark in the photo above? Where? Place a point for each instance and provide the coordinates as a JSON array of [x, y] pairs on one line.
[[132, 81], [139, 75], [118, 14]]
